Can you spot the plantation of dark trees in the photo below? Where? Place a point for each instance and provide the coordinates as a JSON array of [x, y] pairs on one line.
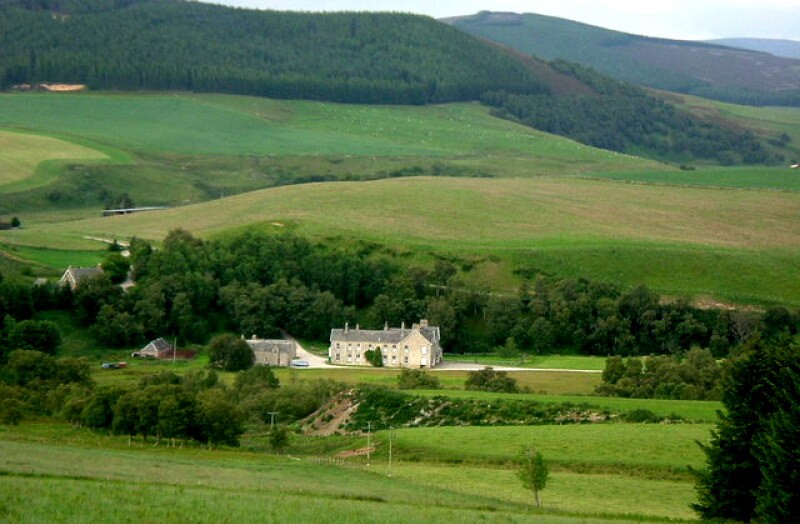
[[364, 58], [623, 117], [254, 283]]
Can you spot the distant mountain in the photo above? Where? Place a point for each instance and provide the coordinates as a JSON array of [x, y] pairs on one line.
[[784, 48], [368, 58], [698, 68]]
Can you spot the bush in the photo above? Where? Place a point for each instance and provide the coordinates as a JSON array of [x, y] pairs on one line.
[[417, 379], [487, 379], [641, 415]]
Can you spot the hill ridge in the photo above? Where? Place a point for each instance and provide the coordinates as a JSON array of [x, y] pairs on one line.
[[705, 69]]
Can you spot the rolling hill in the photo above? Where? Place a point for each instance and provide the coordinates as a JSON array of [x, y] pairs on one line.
[[364, 58], [703, 69], [433, 180], [784, 48]]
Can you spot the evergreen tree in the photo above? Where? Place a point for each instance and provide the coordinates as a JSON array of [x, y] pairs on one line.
[[745, 478]]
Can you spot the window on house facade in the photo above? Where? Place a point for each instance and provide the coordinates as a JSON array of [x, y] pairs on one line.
[[424, 350]]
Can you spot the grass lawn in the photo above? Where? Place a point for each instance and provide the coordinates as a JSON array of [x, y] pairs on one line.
[[535, 361]]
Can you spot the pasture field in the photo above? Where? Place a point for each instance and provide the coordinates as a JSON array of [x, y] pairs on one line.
[[777, 178], [55, 258], [599, 493], [56, 473], [740, 246], [23, 158], [646, 448], [692, 410], [221, 125]]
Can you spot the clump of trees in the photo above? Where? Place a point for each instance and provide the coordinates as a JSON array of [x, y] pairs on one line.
[[753, 459], [487, 379], [694, 376], [230, 353]]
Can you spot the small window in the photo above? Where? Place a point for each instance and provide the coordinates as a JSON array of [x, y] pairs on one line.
[[424, 350]]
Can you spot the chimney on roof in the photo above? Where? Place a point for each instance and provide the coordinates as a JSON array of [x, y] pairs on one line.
[[402, 328], [346, 328], [386, 326], [423, 322], [253, 337], [357, 327]]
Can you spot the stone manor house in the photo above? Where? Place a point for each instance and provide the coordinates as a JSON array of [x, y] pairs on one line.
[[401, 347]]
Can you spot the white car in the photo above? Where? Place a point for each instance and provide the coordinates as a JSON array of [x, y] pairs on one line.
[[298, 363]]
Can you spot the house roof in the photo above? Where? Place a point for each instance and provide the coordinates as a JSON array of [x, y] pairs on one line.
[[384, 336], [271, 345], [79, 273], [159, 344]]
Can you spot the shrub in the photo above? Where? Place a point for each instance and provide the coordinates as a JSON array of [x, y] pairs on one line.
[[417, 379], [641, 415], [487, 379]]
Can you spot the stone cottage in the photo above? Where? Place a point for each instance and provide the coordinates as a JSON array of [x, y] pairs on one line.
[[417, 347], [275, 353]]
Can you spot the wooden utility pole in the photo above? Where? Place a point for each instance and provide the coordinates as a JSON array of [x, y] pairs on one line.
[[369, 444], [391, 440]]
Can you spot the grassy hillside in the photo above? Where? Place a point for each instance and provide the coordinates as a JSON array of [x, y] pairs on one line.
[[197, 147], [689, 67], [25, 155], [784, 48], [734, 245]]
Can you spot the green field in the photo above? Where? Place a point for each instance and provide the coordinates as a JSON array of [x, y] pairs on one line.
[[604, 446], [235, 126], [780, 178], [27, 160], [692, 410], [52, 472], [536, 361]]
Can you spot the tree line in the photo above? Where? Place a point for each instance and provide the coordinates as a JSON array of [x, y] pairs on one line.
[[255, 283]]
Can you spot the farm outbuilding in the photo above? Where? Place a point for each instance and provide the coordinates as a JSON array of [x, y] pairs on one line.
[[275, 353], [158, 348]]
